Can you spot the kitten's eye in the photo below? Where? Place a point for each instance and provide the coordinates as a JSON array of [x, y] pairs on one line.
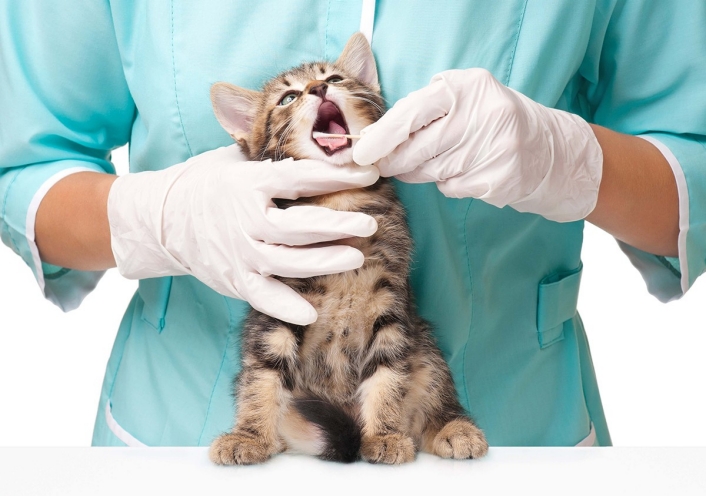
[[334, 79], [288, 98]]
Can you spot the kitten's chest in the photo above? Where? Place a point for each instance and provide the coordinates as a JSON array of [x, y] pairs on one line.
[[334, 347]]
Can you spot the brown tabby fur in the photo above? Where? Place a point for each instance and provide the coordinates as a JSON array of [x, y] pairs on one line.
[[369, 353]]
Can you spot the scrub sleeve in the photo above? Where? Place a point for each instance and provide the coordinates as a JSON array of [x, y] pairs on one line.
[[64, 105], [655, 87]]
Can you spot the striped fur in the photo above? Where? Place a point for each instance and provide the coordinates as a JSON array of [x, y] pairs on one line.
[[369, 359]]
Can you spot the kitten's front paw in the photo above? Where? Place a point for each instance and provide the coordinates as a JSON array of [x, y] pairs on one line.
[[460, 439], [239, 449], [390, 448]]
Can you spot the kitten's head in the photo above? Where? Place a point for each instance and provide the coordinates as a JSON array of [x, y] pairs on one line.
[[278, 122]]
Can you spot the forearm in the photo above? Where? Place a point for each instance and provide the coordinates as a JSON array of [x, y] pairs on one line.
[[71, 229], [638, 201]]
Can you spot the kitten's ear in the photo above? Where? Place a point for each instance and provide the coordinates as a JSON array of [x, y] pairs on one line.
[[358, 60], [234, 108]]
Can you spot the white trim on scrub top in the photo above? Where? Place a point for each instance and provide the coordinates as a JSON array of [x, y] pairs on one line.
[[119, 432], [367, 19], [32, 217], [683, 193]]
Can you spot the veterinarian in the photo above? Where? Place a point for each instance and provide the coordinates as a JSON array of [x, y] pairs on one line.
[[510, 123]]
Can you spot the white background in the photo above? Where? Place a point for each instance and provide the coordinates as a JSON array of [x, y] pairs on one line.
[[546, 471], [649, 357]]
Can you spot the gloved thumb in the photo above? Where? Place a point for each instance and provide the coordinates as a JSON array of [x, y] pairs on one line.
[[410, 114]]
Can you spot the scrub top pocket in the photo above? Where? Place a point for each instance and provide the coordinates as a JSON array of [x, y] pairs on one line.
[[557, 299]]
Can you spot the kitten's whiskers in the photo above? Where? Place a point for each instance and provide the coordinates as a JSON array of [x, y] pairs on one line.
[[367, 100], [279, 153]]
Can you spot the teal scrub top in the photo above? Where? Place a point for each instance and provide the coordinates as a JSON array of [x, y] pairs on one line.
[[79, 78]]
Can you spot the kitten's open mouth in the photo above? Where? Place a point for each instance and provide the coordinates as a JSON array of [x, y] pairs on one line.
[[330, 120]]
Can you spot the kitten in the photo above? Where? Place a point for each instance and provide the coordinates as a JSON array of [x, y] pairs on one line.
[[366, 379]]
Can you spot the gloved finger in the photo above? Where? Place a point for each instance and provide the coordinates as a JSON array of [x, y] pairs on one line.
[[421, 149], [418, 109], [278, 300], [288, 261], [304, 225], [292, 179]]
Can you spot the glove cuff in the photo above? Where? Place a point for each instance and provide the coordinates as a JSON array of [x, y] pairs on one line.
[[135, 206], [569, 191]]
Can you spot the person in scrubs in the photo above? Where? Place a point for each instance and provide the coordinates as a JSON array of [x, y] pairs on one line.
[[510, 124]]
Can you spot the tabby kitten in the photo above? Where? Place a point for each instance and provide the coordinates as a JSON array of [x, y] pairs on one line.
[[366, 379]]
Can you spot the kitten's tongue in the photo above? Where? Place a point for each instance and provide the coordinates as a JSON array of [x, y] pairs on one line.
[[332, 143]]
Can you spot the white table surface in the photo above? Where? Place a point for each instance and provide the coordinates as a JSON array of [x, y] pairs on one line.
[[565, 471]]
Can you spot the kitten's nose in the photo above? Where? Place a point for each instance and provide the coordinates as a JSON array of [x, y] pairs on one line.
[[319, 89]]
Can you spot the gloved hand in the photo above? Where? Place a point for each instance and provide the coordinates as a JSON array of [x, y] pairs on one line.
[[477, 138], [213, 217]]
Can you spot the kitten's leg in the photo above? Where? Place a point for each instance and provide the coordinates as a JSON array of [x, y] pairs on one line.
[[254, 438], [448, 432], [385, 374], [264, 391], [460, 438]]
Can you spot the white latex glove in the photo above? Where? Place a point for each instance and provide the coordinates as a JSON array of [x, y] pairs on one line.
[[213, 217], [477, 138]]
